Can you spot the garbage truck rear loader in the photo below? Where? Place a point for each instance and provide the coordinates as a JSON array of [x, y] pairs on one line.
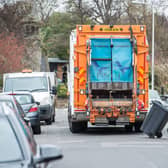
[[108, 76]]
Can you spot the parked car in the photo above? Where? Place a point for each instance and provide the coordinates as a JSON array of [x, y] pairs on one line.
[[11, 101], [17, 144], [38, 83], [30, 108]]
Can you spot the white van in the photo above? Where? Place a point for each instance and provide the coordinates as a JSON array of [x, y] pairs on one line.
[[38, 83], [53, 79]]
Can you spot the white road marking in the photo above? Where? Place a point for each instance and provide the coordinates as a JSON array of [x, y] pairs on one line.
[[59, 127], [70, 141], [134, 144]]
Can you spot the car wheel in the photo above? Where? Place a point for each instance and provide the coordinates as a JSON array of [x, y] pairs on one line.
[[159, 135], [49, 121], [53, 118], [37, 129]]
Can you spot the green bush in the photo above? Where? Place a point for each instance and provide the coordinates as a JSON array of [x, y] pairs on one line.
[[62, 91]]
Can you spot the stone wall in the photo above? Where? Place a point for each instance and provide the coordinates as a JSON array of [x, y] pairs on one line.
[[32, 57]]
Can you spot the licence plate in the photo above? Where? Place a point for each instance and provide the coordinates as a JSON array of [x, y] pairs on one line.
[[123, 120], [102, 120]]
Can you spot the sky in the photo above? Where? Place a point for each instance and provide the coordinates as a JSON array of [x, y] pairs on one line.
[[61, 7]]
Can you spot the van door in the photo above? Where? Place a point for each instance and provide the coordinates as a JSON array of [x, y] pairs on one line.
[[111, 60]]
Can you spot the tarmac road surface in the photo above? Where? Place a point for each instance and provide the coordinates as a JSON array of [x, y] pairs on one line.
[[104, 147]]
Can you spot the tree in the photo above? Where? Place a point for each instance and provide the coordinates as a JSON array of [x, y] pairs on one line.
[[75, 8], [100, 12], [11, 53], [11, 15], [55, 36], [44, 8]]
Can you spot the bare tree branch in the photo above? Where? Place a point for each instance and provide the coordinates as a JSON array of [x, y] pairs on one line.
[[12, 14], [99, 11], [44, 8]]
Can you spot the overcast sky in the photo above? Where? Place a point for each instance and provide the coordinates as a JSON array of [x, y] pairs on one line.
[[61, 7]]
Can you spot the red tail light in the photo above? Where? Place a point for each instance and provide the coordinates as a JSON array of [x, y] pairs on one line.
[[140, 105], [86, 104], [12, 94], [33, 109]]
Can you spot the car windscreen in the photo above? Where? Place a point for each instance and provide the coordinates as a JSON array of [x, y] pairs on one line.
[[24, 99], [10, 150], [26, 84]]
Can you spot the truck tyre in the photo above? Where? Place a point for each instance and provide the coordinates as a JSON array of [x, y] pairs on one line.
[[37, 129], [77, 127], [137, 127], [128, 128]]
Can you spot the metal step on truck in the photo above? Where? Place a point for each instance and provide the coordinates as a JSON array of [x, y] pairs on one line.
[[108, 76]]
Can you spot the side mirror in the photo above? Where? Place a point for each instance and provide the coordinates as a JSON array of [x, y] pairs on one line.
[[54, 90], [38, 103], [48, 153], [27, 120]]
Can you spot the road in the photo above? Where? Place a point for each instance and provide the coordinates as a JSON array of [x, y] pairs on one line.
[[101, 147]]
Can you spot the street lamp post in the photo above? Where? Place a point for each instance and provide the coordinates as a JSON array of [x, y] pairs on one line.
[[153, 39], [153, 46]]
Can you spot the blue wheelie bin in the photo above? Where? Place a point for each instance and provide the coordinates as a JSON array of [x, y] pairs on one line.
[[155, 120]]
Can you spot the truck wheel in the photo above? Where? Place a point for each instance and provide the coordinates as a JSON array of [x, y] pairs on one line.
[[128, 128], [77, 127], [37, 129], [137, 127]]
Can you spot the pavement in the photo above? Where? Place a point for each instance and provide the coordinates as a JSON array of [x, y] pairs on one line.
[[103, 147]]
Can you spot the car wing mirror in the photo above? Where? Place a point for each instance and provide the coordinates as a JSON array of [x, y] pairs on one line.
[[38, 103], [48, 153], [54, 90], [27, 120]]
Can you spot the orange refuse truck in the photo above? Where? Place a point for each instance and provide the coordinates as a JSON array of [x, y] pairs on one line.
[[108, 76]]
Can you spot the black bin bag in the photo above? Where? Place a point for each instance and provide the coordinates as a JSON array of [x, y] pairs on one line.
[[155, 120]]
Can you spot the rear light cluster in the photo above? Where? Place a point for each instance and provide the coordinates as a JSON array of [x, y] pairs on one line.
[[140, 105], [33, 109], [12, 94]]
